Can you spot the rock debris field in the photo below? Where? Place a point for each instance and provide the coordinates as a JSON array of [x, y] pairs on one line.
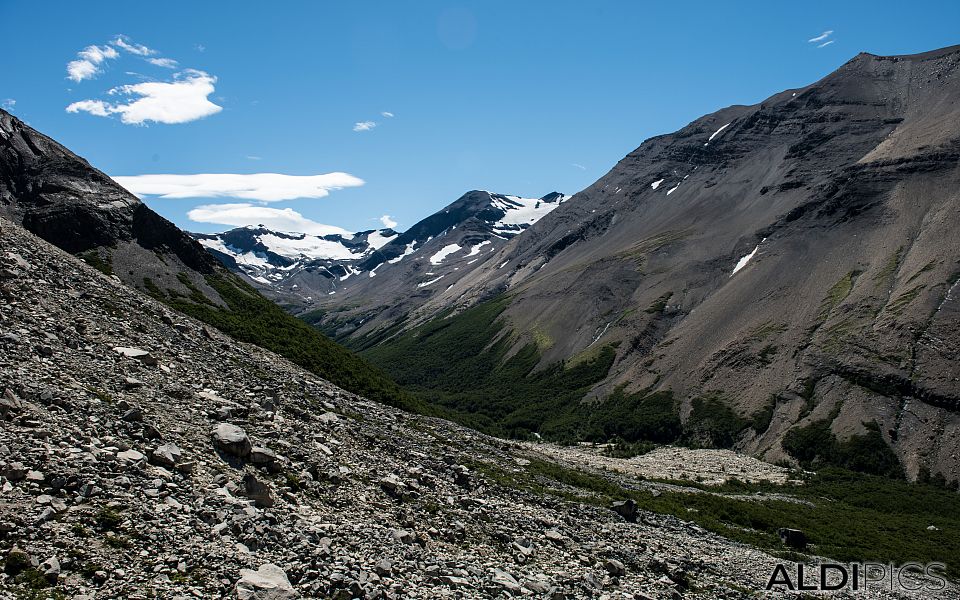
[[144, 455]]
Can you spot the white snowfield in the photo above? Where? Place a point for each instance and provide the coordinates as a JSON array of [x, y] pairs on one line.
[[307, 245], [521, 211], [444, 252], [656, 183]]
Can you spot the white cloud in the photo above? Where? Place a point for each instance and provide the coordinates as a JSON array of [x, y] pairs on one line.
[[387, 114], [125, 43], [167, 63], [388, 221], [263, 187], [254, 157], [364, 126], [277, 219], [8, 104], [825, 44], [179, 101], [821, 37], [578, 166], [87, 65]]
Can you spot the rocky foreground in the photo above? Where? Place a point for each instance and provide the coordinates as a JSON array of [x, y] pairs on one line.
[[144, 455]]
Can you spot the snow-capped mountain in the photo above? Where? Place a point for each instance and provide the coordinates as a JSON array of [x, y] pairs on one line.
[[270, 257], [303, 269]]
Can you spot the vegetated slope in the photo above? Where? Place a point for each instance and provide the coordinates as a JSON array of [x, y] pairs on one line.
[[786, 271], [61, 198]]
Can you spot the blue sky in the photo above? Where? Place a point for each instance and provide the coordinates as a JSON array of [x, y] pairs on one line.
[[516, 97]]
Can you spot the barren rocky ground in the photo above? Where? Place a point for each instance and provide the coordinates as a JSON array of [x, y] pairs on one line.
[[144, 455]]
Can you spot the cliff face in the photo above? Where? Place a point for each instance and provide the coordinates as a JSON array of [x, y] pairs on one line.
[[58, 196]]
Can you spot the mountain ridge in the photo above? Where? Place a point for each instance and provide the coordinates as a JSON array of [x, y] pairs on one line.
[[799, 244]]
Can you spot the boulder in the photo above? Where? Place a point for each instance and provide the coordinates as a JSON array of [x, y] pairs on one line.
[[257, 491], [138, 354], [269, 582], [231, 439], [263, 457], [168, 455], [614, 567], [792, 537], [626, 509]]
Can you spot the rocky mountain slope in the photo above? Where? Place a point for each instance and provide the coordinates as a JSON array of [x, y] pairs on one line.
[[57, 195], [144, 455], [795, 257]]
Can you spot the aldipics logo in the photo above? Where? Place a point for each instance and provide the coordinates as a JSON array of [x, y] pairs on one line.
[[858, 577]]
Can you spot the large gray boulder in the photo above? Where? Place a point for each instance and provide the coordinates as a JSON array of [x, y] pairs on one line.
[[231, 439], [269, 582]]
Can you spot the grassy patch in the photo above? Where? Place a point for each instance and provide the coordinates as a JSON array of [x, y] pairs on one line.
[[97, 261], [846, 516], [900, 302], [659, 304], [837, 293]]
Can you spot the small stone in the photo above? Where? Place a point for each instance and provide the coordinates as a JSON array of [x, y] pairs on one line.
[[51, 569], [131, 455], [141, 355], [134, 415], [614, 567], [384, 568]]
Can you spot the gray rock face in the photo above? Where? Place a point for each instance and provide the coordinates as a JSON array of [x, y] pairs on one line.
[[269, 582], [232, 439]]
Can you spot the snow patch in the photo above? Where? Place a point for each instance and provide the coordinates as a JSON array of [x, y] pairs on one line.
[[444, 252], [716, 133], [745, 259], [407, 252], [657, 183], [431, 282], [520, 212], [475, 250], [377, 240], [673, 189]]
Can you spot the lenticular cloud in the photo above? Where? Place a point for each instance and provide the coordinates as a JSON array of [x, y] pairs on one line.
[[263, 187]]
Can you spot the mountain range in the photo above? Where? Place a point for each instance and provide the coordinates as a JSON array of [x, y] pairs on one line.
[[786, 272], [777, 278]]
